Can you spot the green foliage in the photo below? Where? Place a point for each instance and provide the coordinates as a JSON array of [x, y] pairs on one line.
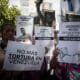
[[8, 14]]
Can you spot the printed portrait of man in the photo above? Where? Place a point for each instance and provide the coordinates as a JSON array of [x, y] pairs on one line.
[[23, 31]]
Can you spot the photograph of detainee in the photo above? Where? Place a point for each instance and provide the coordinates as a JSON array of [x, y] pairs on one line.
[[23, 31], [24, 37]]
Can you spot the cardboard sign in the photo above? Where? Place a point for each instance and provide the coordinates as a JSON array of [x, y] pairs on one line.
[[24, 25], [22, 57], [44, 36], [69, 42]]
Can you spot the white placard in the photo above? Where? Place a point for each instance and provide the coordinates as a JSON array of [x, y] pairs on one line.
[[44, 36], [69, 29], [69, 42], [69, 51], [22, 57], [26, 23], [43, 31]]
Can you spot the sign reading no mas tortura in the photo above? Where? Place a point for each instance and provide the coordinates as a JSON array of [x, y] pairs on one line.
[[20, 57]]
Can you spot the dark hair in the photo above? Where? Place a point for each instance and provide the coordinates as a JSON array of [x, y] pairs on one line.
[[3, 27]]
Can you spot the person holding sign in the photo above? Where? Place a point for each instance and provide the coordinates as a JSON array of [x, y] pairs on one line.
[[65, 71], [34, 74], [7, 34]]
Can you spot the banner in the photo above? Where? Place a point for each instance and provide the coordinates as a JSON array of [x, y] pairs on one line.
[[69, 42], [44, 36], [22, 57], [24, 26]]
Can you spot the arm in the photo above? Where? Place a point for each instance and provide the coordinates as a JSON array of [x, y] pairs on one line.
[[54, 63], [1, 58]]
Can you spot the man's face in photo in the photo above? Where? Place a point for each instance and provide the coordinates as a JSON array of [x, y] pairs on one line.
[[22, 31]]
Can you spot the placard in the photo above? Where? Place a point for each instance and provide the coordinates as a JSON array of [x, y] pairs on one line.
[[44, 36], [24, 26], [69, 42], [22, 57], [69, 29]]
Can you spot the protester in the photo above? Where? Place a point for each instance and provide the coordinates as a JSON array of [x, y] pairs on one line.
[[33, 75], [7, 31], [65, 71], [8, 34], [54, 72]]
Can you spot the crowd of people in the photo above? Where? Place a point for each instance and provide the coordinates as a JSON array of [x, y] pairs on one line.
[[8, 33], [62, 71]]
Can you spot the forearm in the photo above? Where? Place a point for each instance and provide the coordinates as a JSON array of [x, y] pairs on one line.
[[1, 57]]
